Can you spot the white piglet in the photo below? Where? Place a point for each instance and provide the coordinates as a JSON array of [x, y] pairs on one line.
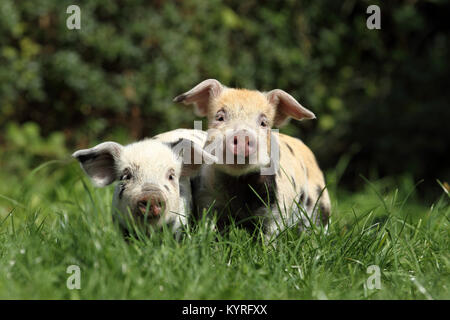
[[153, 176]]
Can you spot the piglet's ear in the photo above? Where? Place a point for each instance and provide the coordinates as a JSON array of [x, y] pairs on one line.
[[99, 162], [201, 95], [287, 107]]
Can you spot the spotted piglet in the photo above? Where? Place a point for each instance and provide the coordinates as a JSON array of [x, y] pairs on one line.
[[260, 174], [153, 177]]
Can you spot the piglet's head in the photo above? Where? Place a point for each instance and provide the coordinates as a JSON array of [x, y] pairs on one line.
[[239, 122], [148, 174]]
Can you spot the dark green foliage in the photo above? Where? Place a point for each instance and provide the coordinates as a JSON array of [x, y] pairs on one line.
[[381, 95]]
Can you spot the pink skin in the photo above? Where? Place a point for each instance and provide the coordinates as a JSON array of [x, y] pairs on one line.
[[241, 143], [153, 203]]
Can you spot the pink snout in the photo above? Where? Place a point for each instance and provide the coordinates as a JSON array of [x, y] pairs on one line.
[[241, 143], [154, 203]]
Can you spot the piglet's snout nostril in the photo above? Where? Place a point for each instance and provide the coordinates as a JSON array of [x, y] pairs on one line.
[[242, 143], [152, 204]]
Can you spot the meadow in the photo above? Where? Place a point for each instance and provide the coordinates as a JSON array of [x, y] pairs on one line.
[[53, 218]]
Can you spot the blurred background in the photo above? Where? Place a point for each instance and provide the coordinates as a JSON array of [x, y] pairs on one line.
[[381, 96]]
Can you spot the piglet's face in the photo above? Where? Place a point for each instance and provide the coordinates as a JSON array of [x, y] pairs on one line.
[[239, 122], [149, 176]]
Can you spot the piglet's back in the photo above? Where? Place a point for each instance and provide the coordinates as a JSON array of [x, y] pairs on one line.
[[300, 177]]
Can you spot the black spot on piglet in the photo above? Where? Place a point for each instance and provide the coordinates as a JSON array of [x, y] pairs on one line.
[[302, 197], [308, 202], [324, 214], [290, 149]]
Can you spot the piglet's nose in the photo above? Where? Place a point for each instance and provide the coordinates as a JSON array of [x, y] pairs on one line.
[[149, 187], [242, 143], [153, 204]]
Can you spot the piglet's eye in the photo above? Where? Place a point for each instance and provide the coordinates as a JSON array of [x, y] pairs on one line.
[[220, 115], [171, 175], [263, 121], [126, 175]]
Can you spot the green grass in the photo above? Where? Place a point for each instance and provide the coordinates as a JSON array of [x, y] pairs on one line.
[[53, 218]]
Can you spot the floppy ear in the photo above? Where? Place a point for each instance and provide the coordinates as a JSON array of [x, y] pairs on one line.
[[287, 107], [201, 95], [193, 156], [99, 162]]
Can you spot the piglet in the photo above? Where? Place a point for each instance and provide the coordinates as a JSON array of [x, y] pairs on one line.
[[153, 177], [260, 175]]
